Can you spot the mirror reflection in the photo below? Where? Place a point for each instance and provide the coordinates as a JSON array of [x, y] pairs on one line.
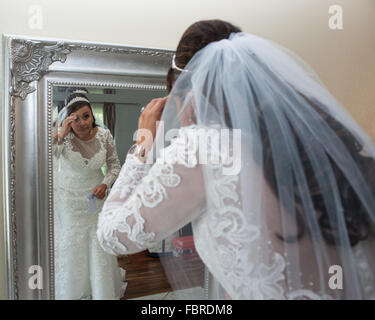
[[93, 129]]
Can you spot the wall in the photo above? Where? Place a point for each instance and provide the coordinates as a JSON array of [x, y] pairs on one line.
[[344, 59], [127, 113]]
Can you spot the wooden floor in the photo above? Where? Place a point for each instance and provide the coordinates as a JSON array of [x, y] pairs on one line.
[[146, 276]]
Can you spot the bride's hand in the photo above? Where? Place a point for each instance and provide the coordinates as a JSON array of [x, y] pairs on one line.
[[99, 191], [67, 125], [147, 121]]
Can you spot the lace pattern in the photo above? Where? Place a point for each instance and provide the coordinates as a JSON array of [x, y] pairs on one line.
[[83, 269], [89, 155], [147, 188], [131, 217]]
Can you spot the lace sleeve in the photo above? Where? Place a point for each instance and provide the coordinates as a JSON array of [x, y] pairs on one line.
[[58, 149], [112, 161], [135, 218]]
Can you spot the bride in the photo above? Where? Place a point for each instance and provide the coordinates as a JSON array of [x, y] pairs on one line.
[[275, 177], [80, 149]]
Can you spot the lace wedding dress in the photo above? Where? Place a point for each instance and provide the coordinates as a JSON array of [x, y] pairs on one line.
[[296, 220], [82, 269], [150, 202]]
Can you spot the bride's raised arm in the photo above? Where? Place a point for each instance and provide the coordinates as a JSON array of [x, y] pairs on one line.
[[145, 203], [112, 161]]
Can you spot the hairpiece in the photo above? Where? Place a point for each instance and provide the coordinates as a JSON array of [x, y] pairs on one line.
[[174, 66]]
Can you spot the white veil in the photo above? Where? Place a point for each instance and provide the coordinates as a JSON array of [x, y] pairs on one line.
[[305, 204]]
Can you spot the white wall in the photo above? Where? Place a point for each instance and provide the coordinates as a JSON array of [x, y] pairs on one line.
[[344, 59]]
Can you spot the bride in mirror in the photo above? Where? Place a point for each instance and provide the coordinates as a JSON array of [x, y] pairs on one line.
[[80, 149]]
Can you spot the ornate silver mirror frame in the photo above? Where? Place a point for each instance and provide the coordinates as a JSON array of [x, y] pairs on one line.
[[32, 67]]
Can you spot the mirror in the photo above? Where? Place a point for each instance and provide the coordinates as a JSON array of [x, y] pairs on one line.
[[50, 234]]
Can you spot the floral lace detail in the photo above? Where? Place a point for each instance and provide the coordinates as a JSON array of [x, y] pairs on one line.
[[110, 219], [365, 273], [133, 171], [225, 238], [90, 155], [235, 239], [139, 184], [83, 270]]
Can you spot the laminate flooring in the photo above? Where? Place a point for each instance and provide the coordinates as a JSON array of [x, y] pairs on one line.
[[145, 275]]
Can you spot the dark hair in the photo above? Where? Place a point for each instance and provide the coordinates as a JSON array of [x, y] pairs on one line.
[[74, 93], [355, 214], [199, 35], [195, 38]]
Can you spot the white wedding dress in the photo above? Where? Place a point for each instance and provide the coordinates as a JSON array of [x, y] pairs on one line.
[[296, 220], [82, 269], [150, 202]]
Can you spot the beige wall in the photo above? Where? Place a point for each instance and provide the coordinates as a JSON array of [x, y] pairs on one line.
[[344, 59]]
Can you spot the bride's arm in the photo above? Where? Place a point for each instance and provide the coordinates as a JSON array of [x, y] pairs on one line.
[[58, 145], [59, 139], [164, 200], [112, 161]]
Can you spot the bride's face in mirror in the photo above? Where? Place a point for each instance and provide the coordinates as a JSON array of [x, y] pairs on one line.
[[83, 121]]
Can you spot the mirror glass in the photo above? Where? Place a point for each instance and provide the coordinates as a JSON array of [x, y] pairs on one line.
[[86, 162]]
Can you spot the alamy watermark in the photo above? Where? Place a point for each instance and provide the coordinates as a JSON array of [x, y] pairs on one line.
[[36, 280], [336, 20], [335, 281], [205, 146], [35, 21]]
